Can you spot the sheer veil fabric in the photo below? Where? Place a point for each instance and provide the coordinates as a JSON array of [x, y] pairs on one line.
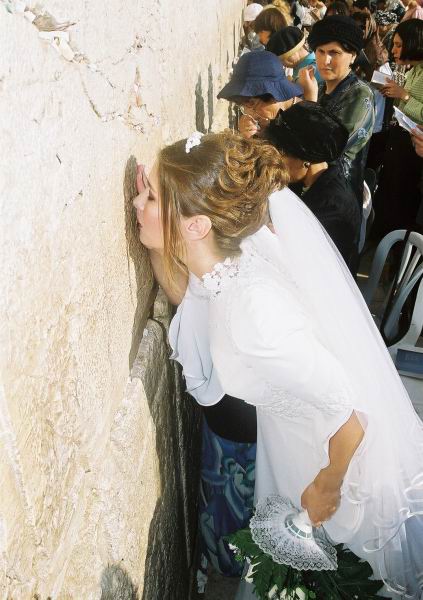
[[386, 483], [381, 513]]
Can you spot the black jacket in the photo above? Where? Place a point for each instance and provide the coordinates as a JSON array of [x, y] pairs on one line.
[[333, 202]]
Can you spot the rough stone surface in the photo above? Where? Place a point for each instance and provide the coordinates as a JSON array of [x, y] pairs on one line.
[[97, 445]]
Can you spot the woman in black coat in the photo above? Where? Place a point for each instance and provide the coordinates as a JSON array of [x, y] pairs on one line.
[[312, 141]]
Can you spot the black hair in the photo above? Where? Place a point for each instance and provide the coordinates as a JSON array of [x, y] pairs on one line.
[[263, 97], [270, 19], [362, 4], [411, 34], [347, 48], [339, 7]]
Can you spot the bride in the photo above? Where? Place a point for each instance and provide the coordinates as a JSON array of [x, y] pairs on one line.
[[290, 334]]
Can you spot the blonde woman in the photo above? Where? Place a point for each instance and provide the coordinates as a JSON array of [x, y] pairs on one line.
[[289, 333], [284, 7]]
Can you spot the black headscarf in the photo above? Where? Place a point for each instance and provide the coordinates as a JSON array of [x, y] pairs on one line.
[[336, 28], [308, 132]]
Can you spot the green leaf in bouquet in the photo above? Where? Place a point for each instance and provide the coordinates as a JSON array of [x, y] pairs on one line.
[[351, 580], [280, 573], [263, 577]]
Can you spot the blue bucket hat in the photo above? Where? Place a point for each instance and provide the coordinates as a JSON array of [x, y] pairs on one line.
[[259, 73]]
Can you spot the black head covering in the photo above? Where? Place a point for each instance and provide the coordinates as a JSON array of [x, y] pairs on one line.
[[336, 28], [307, 131], [285, 39]]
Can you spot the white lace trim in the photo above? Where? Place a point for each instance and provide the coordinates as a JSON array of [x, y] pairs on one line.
[[269, 532], [222, 275]]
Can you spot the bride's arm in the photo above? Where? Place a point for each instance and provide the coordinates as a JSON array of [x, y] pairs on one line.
[[321, 498]]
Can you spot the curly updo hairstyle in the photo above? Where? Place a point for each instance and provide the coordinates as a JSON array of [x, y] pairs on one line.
[[225, 178]]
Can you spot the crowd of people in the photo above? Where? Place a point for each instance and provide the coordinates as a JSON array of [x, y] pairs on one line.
[[256, 236], [341, 58]]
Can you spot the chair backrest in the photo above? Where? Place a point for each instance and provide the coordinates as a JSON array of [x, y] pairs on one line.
[[367, 209], [410, 276]]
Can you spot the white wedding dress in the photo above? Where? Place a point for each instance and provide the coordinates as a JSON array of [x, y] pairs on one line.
[[289, 333]]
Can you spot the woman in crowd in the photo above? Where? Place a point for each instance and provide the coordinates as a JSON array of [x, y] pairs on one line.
[[250, 39], [312, 141], [414, 10], [268, 21], [259, 85], [290, 46], [285, 8], [290, 334], [338, 8], [386, 21], [397, 198], [395, 6], [307, 12], [336, 41], [374, 49]]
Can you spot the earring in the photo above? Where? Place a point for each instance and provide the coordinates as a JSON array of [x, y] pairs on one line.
[[307, 165]]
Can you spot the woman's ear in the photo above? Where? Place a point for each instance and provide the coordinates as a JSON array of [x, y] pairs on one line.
[[196, 227]]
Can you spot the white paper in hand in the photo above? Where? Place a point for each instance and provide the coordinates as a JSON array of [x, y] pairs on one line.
[[404, 121], [385, 68], [380, 78]]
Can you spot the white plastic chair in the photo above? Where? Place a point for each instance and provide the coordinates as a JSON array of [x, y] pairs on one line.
[[367, 209], [410, 275]]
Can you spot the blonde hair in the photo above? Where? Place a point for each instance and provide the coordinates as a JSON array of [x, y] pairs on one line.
[[226, 178], [284, 7]]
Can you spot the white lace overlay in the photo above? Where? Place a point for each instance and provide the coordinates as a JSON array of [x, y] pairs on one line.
[[286, 404], [269, 532]]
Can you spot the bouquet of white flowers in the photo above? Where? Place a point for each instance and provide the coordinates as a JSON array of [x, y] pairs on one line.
[[273, 581]]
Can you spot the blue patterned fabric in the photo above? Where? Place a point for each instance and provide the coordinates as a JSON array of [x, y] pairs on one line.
[[226, 497]]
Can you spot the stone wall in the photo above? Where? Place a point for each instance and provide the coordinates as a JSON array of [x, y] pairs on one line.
[[98, 447]]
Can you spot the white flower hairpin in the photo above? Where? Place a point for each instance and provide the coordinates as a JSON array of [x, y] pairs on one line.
[[193, 140]]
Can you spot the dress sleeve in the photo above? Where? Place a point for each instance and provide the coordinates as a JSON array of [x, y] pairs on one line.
[[275, 338]]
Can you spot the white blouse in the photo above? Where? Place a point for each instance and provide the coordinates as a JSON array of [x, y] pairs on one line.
[[189, 339]]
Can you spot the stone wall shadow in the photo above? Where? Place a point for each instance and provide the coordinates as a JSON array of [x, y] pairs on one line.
[[200, 114], [138, 254], [210, 98], [168, 567], [169, 563]]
